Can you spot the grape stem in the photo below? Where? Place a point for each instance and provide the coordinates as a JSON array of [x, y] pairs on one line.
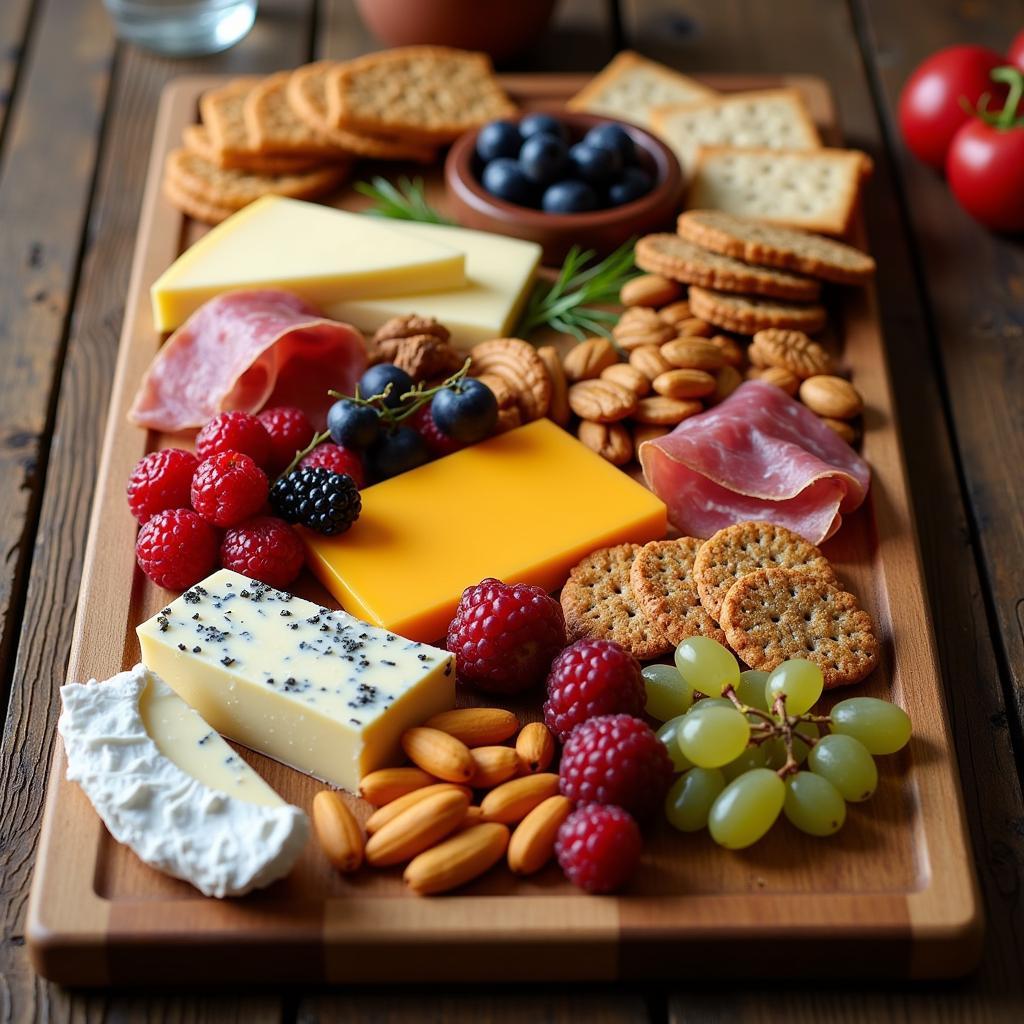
[[776, 724]]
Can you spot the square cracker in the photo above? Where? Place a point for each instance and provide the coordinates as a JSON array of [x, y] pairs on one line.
[[196, 139], [423, 93], [817, 190], [631, 85], [222, 112], [273, 127], [766, 118]]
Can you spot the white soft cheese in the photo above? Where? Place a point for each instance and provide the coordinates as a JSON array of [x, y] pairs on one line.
[[216, 825]]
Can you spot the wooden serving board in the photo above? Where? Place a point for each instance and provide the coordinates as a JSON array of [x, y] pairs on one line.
[[892, 894]]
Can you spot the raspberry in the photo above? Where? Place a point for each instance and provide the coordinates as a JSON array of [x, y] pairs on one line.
[[176, 548], [265, 549], [235, 432], [591, 678], [228, 488], [159, 481], [616, 759], [290, 431], [598, 847], [338, 460], [437, 441], [504, 637], [318, 499]]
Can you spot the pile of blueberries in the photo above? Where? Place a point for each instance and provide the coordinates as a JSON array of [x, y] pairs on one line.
[[534, 163]]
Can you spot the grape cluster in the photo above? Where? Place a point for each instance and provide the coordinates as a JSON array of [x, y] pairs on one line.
[[749, 748]]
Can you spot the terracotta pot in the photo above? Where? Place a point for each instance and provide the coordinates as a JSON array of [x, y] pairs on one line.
[[499, 29]]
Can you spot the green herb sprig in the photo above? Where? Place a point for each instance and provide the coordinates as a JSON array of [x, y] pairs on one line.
[[568, 304], [406, 200]]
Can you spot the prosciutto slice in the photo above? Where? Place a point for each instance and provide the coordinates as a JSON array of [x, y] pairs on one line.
[[243, 350], [758, 455]]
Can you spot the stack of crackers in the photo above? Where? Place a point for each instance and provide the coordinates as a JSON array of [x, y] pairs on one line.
[[755, 153], [759, 588], [297, 133]]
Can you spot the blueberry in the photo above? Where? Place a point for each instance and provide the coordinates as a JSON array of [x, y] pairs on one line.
[[505, 179], [543, 158], [397, 452], [466, 411], [594, 163], [542, 124], [378, 377], [569, 197], [499, 138], [632, 184], [352, 425], [612, 136]]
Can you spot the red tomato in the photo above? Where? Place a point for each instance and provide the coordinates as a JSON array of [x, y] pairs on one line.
[[1015, 54], [930, 108], [985, 169]]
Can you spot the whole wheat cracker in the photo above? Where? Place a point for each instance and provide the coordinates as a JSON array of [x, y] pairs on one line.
[[194, 207], [196, 138], [752, 240], [426, 93], [680, 260], [748, 314], [223, 113], [273, 127]]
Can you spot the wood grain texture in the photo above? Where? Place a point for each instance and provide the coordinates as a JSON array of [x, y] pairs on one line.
[[15, 23], [771, 39], [281, 35]]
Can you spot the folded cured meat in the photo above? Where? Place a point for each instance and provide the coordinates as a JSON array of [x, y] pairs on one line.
[[244, 350], [758, 455]]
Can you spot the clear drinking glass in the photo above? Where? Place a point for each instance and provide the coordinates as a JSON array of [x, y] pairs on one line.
[[183, 28]]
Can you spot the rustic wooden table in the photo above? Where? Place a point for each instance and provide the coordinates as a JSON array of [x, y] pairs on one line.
[[76, 117]]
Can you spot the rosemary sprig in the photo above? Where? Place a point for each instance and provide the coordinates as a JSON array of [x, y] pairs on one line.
[[569, 303], [405, 200]]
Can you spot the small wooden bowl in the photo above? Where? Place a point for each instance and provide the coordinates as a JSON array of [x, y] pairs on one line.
[[602, 230]]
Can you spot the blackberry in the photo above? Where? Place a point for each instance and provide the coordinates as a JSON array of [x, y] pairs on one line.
[[318, 499]]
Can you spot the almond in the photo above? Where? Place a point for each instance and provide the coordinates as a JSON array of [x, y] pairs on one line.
[[476, 727], [559, 409], [387, 784], [684, 383], [612, 441], [841, 427], [641, 326], [438, 753], [664, 411], [457, 860], [693, 354], [417, 828], [727, 380], [512, 801], [628, 377], [535, 748], [831, 396], [383, 815], [643, 432], [649, 290], [601, 401], [732, 352], [781, 378], [337, 831], [474, 816], [494, 765], [586, 360], [675, 313], [533, 841], [649, 361], [694, 327]]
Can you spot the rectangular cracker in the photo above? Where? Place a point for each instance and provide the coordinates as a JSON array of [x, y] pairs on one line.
[[222, 112], [817, 190], [631, 85], [273, 127], [768, 118], [422, 93], [196, 139]]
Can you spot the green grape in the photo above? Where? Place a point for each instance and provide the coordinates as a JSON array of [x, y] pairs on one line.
[[669, 735], [751, 758], [710, 702], [800, 680], [746, 808], [713, 736], [706, 665], [813, 804], [846, 763], [777, 749], [668, 694], [882, 727], [690, 798], [750, 688]]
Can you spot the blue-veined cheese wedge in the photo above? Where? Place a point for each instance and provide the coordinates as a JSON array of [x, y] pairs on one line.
[[316, 689]]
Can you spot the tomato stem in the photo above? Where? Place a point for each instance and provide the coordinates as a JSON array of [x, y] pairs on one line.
[[1014, 79]]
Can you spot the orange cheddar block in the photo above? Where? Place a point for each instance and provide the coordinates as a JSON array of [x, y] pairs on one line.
[[524, 506]]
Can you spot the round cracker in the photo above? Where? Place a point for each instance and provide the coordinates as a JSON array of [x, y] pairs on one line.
[[744, 547], [772, 615], [661, 579], [599, 604]]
